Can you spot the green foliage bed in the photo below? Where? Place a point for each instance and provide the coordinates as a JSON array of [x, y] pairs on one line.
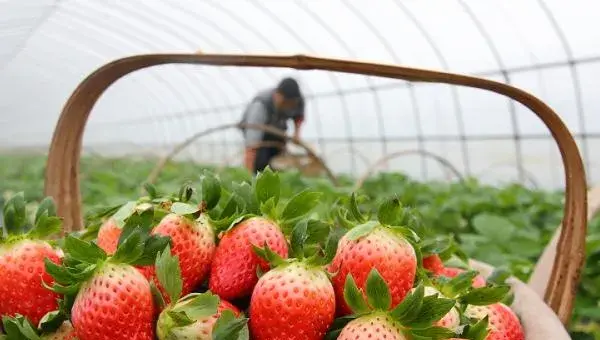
[[504, 226]]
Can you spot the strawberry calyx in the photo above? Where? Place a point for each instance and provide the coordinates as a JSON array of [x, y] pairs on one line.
[[415, 315], [136, 247], [17, 225], [184, 311], [19, 327]]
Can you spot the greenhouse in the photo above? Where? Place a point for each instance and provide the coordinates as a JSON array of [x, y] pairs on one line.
[[198, 169]]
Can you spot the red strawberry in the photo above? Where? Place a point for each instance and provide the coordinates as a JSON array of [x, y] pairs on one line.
[[381, 248], [292, 301], [233, 272], [433, 263], [503, 322], [452, 272], [115, 303], [108, 236], [193, 242], [22, 257], [373, 326]]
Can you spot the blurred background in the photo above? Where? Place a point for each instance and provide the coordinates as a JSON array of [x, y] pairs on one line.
[[550, 48]]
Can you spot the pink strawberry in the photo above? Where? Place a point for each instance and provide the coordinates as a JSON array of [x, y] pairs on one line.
[[22, 256], [373, 326], [452, 272], [193, 242], [503, 322], [433, 263], [233, 272], [292, 301], [378, 247]]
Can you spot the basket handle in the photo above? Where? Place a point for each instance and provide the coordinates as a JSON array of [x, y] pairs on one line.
[[62, 171]]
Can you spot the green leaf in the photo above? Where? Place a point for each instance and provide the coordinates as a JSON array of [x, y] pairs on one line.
[[354, 297], [267, 208], [355, 211], [168, 273], [494, 227], [244, 191], [132, 247], [15, 215], [185, 192], [234, 206], [268, 185], [183, 209], [361, 230], [499, 276], [19, 328], [124, 212], [83, 251], [298, 239], [390, 212], [152, 246], [59, 273], [433, 333], [378, 293], [268, 255], [151, 190], [318, 230], [46, 207], [411, 303], [180, 319], [157, 296], [300, 205], [228, 327], [477, 331], [210, 189], [458, 284], [45, 226], [198, 305], [52, 321], [485, 295], [432, 310]]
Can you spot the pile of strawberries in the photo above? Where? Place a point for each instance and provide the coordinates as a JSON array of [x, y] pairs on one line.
[[242, 263]]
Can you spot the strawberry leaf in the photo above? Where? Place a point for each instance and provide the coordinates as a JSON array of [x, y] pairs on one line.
[[457, 285], [485, 295], [152, 245], [157, 297], [124, 212], [244, 191], [198, 305], [361, 230], [300, 205], [184, 209], [267, 186], [185, 192], [476, 331], [151, 190], [47, 207], [378, 293], [132, 247], [268, 255], [432, 310], [168, 273], [210, 189], [390, 212], [354, 297], [83, 251], [15, 215], [267, 208], [318, 231], [52, 321], [18, 328], [355, 211], [229, 327], [298, 238], [234, 206], [499, 276], [411, 303], [45, 226], [180, 319], [432, 333]]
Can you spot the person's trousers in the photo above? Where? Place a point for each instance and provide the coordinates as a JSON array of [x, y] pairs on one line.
[[264, 156]]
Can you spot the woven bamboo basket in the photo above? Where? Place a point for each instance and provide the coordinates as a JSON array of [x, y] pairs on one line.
[[542, 319]]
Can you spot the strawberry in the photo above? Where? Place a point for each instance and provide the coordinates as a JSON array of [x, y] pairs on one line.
[[373, 245], [452, 272], [193, 243], [299, 289], [503, 322], [22, 254], [433, 263], [374, 318], [107, 296], [195, 316], [233, 272], [108, 236], [19, 327]]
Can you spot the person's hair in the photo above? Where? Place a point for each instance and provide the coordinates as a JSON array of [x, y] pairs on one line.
[[289, 88]]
